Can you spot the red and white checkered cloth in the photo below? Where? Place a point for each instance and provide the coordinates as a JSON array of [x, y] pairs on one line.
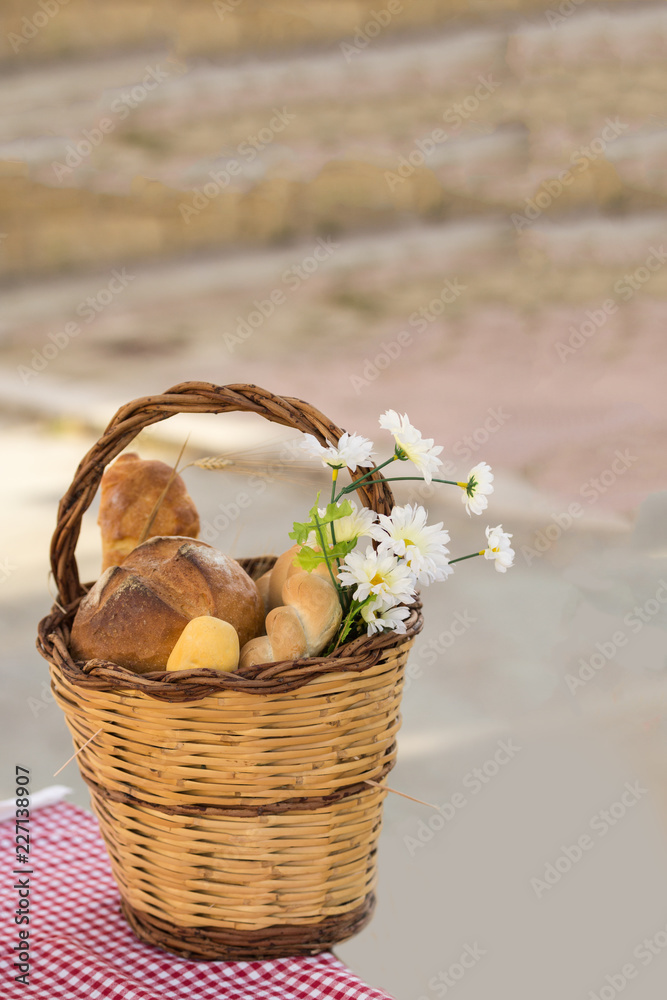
[[82, 949]]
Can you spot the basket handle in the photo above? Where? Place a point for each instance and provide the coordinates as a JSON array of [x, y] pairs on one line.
[[186, 397]]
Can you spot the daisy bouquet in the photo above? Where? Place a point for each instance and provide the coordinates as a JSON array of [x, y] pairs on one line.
[[375, 561]]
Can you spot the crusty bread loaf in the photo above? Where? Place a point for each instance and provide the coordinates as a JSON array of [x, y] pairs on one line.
[[136, 612], [302, 626], [124, 620], [129, 491]]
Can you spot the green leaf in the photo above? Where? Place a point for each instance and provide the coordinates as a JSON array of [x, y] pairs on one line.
[[332, 512], [341, 549], [309, 559], [301, 531]]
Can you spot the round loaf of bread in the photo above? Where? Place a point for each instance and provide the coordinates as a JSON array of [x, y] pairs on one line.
[[136, 612]]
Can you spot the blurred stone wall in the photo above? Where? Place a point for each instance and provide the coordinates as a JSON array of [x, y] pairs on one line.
[[130, 154], [215, 26], [513, 151]]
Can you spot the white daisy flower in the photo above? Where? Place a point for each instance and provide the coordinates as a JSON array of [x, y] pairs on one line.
[[477, 488], [379, 617], [423, 547], [499, 548], [411, 445], [361, 522], [352, 451], [378, 573]]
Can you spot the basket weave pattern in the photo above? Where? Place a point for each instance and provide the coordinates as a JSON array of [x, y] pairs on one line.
[[234, 807]]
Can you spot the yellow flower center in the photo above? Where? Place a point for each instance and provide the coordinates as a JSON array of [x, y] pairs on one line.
[[378, 578]]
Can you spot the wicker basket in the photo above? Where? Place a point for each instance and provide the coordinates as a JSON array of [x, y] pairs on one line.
[[241, 811]]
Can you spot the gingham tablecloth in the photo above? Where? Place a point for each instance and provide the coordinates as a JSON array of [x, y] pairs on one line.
[[82, 949]]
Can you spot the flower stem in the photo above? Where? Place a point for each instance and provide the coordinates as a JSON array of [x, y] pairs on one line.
[[461, 558], [353, 485], [334, 477], [347, 624], [450, 482], [318, 527]]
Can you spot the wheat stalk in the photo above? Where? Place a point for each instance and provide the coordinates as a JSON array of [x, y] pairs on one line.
[[386, 788], [212, 463], [83, 747], [256, 467]]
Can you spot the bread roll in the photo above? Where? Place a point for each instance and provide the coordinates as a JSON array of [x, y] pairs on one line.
[[129, 491], [263, 585], [256, 651], [283, 568], [286, 634], [136, 612], [283, 565], [316, 601], [303, 626], [206, 642]]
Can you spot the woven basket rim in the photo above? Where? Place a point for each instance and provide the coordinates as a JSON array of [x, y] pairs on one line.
[[192, 685]]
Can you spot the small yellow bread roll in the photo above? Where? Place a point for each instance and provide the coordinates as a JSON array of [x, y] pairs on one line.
[[206, 642]]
